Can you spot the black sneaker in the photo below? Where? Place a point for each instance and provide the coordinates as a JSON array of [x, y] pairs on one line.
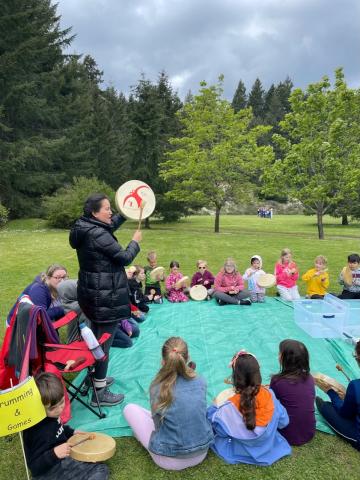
[[245, 301], [106, 398], [220, 302]]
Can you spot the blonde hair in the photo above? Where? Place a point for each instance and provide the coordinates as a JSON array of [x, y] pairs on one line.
[[199, 262], [45, 276], [321, 259], [283, 253], [151, 255], [230, 261], [175, 357]]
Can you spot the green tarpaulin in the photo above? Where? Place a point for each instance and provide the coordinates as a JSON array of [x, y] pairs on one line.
[[213, 334]]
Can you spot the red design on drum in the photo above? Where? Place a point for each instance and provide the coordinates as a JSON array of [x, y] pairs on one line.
[[134, 194]]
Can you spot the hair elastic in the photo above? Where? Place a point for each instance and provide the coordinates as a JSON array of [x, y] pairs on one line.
[[237, 355]]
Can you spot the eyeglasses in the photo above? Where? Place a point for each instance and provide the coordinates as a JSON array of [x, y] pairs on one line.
[[58, 277]]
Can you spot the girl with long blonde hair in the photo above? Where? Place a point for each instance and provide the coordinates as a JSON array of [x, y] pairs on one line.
[[175, 432]]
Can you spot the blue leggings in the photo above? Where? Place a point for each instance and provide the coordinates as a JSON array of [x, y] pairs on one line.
[[344, 427], [122, 339]]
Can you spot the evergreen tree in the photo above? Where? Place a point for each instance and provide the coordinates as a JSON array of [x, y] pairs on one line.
[[240, 99], [31, 76], [257, 100], [152, 111]]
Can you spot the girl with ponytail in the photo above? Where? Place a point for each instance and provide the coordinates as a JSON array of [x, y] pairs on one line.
[[245, 426], [175, 432]]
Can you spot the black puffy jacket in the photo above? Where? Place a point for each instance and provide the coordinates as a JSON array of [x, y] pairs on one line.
[[102, 286]]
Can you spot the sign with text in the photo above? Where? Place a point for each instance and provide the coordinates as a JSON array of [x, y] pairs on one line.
[[20, 407]]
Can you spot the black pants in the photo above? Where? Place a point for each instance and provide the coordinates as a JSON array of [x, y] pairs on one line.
[[347, 295], [344, 427], [98, 329]]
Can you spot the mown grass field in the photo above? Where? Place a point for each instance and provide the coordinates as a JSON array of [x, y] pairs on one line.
[[28, 246]]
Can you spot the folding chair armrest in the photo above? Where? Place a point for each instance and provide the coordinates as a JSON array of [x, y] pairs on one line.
[[69, 317]]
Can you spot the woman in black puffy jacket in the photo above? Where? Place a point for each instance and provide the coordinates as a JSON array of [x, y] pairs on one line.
[[102, 284]]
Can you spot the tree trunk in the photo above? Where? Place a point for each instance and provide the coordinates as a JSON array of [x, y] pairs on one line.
[[344, 220], [147, 223], [319, 215], [217, 219]]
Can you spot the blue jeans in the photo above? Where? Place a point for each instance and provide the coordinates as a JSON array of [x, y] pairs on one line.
[[344, 427], [122, 339]]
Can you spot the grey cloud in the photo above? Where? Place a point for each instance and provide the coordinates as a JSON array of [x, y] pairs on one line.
[[194, 40]]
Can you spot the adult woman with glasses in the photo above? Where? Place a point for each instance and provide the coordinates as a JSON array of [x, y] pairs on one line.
[[343, 416], [43, 291]]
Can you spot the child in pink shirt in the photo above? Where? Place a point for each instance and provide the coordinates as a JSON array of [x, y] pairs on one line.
[[229, 286], [286, 273]]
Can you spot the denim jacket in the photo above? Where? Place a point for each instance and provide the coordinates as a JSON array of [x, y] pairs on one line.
[[183, 429]]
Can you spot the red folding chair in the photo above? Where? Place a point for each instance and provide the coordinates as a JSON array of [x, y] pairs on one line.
[[32, 344]]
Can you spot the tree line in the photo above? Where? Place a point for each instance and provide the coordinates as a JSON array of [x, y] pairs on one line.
[[59, 126]]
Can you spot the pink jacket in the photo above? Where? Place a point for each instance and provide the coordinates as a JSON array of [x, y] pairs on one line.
[[224, 282], [283, 277]]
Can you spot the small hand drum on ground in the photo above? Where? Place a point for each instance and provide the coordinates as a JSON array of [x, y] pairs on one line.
[[223, 396], [198, 292], [266, 280], [95, 447], [324, 382], [135, 199], [183, 282], [157, 274]]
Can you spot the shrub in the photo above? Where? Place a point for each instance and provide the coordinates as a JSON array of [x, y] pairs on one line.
[[4, 215], [66, 205]]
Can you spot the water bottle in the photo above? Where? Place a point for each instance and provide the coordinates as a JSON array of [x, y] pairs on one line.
[[91, 341]]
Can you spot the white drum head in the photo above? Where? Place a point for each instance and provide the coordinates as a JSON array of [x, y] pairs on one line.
[[129, 197], [198, 292], [267, 280], [157, 273]]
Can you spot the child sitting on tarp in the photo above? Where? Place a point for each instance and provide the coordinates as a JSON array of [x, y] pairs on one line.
[[350, 278], [137, 297], [317, 279], [252, 274], [152, 288]]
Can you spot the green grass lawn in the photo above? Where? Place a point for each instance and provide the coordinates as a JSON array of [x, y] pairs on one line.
[[28, 246]]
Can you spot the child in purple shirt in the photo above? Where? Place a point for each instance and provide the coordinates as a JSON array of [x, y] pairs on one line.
[[203, 277], [294, 387]]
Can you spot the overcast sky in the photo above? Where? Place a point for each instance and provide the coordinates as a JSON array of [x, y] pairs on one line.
[[195, 40]]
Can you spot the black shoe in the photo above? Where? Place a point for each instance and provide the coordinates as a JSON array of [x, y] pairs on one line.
[[106, 398], [319, 403], [245, 301], [220, 302]]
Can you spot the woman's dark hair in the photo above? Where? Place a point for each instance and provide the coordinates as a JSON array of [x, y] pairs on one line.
[[94, 203], [294, 360], [246, 379], [174, 263]]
